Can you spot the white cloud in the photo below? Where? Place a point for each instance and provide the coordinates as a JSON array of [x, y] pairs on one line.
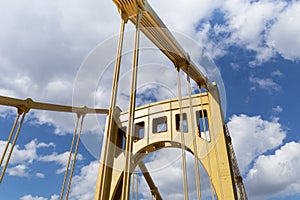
[[277, 109], [284, 34], [30, 197], [54, 197], [42, 144], [267, 174], [26, 155], [253, 136], [43, 46], [247, 27], [60, 159], [40, 175], [19, 170], [277, 73], [83, 184], [22, 158], [276, 174], [187, 21], [273, 29], [264, 83]]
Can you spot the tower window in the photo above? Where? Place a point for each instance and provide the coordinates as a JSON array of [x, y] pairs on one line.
[[121, 141], [184, 122], [139, 131], [203, 124], [160, 124]]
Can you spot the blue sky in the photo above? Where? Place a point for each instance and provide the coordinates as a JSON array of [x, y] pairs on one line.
[[49, 48]]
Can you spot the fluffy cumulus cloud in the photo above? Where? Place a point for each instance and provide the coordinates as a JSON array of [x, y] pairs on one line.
[[253, 136], [22, 158], [185, 16], [60, 159], [19, 170], [44, 44], [246, 27], [27, 154], [84, 183], [284, 34], [266, 174], [276, 174], [255, 25]]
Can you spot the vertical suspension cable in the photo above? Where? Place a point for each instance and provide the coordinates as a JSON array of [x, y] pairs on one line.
[[10, 135], [132, 186], [13, 145], [196, 164], [183, 153], [130, 130], [69, 159], [104, 184], [206, 145], [74, 158], [137, 186]]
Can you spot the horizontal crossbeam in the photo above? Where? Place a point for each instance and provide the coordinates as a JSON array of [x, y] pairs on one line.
[[28, 104]]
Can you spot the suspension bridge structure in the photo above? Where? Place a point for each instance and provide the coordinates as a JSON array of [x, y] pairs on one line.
[[193, 123]]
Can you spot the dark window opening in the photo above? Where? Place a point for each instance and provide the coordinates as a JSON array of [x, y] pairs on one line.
[[139, 130], [121, 141], [160, 124], [203, 125], [184, 122]]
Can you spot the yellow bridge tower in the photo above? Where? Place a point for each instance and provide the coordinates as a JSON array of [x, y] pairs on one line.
[[194, 123]]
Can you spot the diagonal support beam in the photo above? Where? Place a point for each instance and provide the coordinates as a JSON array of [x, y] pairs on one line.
[[149, 180]]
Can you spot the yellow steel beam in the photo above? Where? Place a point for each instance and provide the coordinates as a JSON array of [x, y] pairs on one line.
[[149, 181], [153, 27], [27, 104]]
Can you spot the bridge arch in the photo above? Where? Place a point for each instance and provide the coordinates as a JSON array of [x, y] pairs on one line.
[[147, 151]]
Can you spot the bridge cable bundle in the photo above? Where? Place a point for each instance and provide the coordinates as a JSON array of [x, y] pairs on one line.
[[20, 112], [183, 152], [196, 164], [23, 107], [70, 157]]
